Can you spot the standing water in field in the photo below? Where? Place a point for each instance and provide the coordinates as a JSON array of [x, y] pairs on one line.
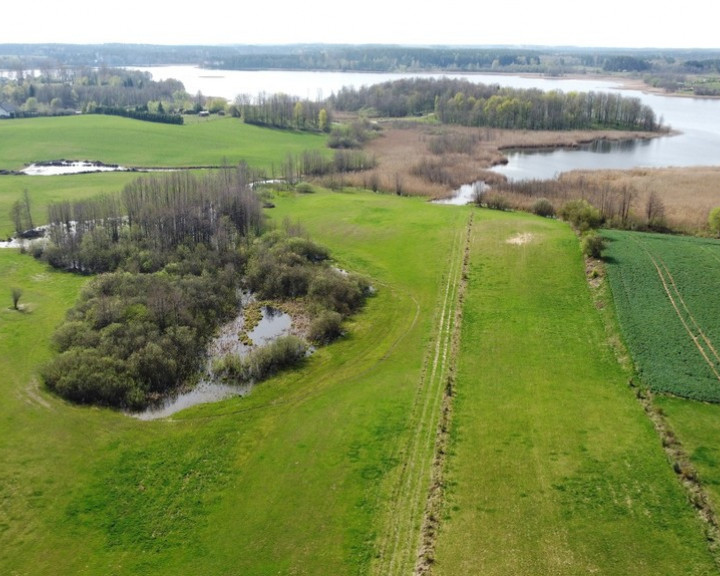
[[273, 324]]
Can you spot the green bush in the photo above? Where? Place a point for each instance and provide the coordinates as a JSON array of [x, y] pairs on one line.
[[543, 207], [714, 221], [261, 363], [325, 327], [593, 245], [582, 215]]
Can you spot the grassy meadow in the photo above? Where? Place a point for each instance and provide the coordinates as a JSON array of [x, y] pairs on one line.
[[552, 467], [132, 143], [287, 480]]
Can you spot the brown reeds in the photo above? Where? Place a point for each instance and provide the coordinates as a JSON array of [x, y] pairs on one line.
[[432, 160]]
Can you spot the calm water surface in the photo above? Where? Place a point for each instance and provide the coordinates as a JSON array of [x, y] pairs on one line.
[[696, 120]]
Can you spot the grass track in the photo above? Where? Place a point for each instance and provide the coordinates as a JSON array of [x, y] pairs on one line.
[[399, 539], [554, 468]]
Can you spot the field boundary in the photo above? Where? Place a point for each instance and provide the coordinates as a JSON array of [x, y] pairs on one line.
[[436, 493]]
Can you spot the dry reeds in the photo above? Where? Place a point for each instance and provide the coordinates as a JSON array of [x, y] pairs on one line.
[[432, 160]]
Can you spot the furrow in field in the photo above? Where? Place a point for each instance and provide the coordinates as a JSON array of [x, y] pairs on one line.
[[398, 542]]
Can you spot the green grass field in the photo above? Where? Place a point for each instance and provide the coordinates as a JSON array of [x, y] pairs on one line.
[[116, 140], [126, 142], [288, 480], [665, 291], [554, 467]]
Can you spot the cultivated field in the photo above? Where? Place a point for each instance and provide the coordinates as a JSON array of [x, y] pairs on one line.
[[665, 292]]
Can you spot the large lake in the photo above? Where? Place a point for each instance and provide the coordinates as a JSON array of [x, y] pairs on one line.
[[696, 120]]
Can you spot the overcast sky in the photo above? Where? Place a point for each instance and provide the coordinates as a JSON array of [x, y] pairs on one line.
[[607, 23]]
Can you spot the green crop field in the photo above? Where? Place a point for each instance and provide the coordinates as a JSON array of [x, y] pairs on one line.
[[665, 289]]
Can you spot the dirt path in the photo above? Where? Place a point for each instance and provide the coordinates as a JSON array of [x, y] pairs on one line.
[[403, 541]]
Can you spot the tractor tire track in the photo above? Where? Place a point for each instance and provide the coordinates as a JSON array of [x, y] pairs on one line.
[[693, 329], [397, 548]]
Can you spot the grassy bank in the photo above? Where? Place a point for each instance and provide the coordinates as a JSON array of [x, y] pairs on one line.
[[554, 468]]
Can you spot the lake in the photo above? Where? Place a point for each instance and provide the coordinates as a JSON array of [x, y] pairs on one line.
[[696, 120]]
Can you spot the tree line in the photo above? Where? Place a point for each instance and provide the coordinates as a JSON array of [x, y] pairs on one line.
[[67, 90], [456, 101], [284, 111]]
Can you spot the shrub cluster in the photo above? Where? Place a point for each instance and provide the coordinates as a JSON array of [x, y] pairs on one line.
[[281, 266], [134, 337], [145, 115], [261, 363]]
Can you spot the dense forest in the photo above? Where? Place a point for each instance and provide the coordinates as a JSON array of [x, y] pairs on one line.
[[472, 104], [171, 254]]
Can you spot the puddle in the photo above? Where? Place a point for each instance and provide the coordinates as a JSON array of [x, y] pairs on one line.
[[61, 167], [204, 393], [274, 323], [465, 194]]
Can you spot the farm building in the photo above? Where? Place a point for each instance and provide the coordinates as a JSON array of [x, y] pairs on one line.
[[8, 110]]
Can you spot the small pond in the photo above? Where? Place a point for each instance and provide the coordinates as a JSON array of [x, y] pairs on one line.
[[274, 323], [60, 167], [464, 195]]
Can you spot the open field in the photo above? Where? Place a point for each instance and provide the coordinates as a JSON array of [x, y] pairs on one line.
[[108, 494], [665, 292], [553, 463], [116, 140], [552, 467]]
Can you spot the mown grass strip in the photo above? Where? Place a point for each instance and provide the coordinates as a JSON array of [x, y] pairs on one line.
[[398, 543]]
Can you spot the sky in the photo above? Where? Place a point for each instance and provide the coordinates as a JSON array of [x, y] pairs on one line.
[[609, 23]]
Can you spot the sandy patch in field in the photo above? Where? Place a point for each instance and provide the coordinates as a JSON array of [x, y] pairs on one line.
[[520, 239]]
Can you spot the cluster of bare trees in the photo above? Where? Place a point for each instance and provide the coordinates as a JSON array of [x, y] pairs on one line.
[[155, 214], [617, 204]]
